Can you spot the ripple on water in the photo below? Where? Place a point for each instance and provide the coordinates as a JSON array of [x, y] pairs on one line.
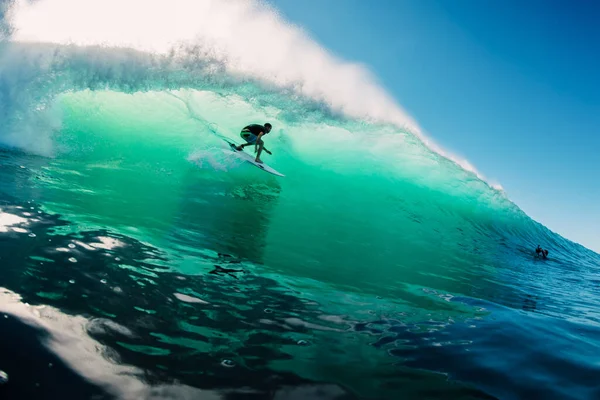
[[3, 377], [107, 243], [144, 310], [189, 299], [103, 326], [85, 246]]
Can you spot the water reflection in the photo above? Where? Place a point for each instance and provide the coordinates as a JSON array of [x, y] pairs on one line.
[[129, 325]]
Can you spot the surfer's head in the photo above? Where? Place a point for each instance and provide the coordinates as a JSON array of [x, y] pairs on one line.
[[268, 127]]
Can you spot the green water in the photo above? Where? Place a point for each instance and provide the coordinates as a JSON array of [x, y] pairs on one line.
[[150, 163]]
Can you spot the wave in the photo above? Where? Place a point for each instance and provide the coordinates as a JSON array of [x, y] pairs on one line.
[[227, 62]]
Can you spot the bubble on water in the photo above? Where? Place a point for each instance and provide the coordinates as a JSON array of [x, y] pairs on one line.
[[71, 245], [268, 310], [72, 281], [32, 234], [73, 259], [50, 365], [3, 377], [228, 363], [117, 259], [103, 281], [379, 297], [302, 343]]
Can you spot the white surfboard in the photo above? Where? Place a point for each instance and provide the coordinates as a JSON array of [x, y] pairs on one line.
[[247, 157]]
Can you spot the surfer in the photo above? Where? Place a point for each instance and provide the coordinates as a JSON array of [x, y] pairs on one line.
[[541, 252], [253, 134]]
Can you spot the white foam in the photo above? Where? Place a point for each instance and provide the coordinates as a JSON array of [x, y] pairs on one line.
[[67, 337], [8, 220], [239, 33], [247, 37]]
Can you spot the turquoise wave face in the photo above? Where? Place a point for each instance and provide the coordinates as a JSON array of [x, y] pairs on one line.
[[134, 141], [357, 196]]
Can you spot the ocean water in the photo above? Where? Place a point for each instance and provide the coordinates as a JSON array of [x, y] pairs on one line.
[[140, 259]]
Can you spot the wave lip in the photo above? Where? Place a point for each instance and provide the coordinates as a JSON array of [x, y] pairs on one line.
[[247, 37]]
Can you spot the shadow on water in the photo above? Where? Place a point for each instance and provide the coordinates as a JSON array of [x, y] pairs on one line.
[[230, 216]]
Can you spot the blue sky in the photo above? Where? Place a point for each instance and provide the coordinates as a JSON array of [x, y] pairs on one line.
[[512, 86]]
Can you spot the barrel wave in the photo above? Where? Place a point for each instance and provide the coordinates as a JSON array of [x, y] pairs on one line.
[[159, 265]]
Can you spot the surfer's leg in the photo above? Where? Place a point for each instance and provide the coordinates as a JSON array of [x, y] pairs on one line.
[[260, 148], [248, 137]]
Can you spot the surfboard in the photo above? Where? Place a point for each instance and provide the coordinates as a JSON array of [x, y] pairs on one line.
[[247, 157]]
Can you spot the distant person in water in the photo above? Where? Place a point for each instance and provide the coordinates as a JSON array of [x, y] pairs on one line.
[[253, 134], [541, 252]]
